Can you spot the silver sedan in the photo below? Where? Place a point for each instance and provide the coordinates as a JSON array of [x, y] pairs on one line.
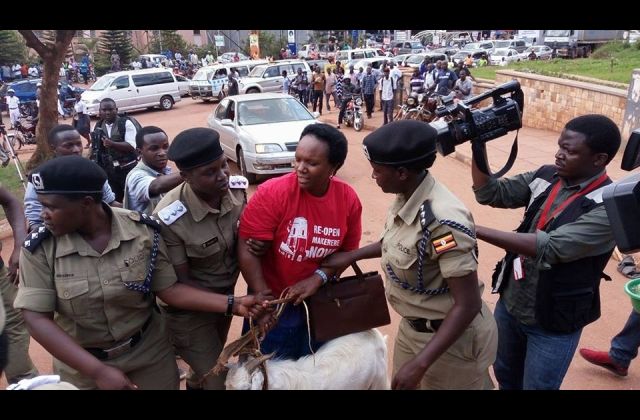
[[260, 131]]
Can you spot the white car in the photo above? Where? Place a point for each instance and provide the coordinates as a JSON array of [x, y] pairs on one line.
[[504, 57], [183, 85], [260, 131], [542, 52]]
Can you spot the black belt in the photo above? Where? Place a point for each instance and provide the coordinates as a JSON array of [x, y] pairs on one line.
[[122, 347], [423, 325]]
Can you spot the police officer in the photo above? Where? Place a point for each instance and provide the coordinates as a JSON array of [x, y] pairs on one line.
[[447, 337], [95, 266], [200, 227]]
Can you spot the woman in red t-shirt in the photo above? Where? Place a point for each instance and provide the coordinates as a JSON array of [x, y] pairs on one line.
[[305, 216]]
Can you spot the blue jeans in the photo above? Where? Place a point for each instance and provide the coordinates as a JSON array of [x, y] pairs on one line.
[[289, 339], [624, 346], [530, 357]]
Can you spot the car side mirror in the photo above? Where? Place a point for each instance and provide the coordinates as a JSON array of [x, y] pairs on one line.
[[227, 122]]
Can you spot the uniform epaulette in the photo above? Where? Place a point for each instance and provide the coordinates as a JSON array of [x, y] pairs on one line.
[[238, 182], [172, 212], [426, 215], [145, 219], [35, 238]]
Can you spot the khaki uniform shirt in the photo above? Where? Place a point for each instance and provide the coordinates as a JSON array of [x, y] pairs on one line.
[[454, 257], [203, 237], [86, 288]]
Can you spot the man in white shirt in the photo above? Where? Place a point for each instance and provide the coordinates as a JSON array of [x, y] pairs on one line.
[[13, 103], [117, 135], [151, 178], [386, 88], [396, 75]]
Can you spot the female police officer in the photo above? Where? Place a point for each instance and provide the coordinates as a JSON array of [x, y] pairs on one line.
[[94, 266], [447, 336]]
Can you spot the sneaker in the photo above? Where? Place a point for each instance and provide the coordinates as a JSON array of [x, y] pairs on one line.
[[602, 359]]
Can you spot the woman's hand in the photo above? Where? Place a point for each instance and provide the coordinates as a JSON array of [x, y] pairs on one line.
[[109, 377], [305, 288], [257, 247], [409, 376]]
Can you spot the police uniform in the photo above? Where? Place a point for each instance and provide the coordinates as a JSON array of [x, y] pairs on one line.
[[433, 219], [101, 299], [205, 238]]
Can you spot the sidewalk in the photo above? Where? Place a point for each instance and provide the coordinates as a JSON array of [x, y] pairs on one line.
[[535, 147]]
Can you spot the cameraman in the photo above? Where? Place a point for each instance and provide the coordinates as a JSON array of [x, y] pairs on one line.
[[114, 151], [549, 279]]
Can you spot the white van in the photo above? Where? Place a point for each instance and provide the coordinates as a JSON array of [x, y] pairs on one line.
[[209, 81], [134, 89], [347, 57]]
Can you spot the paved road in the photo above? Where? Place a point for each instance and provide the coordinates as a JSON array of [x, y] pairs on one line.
[[536, 147]]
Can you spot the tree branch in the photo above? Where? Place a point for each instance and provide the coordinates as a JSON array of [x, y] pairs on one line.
[[33, 42]]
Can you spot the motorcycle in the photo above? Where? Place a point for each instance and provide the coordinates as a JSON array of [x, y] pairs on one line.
[[420, 106], [353, 114], [25, 127]]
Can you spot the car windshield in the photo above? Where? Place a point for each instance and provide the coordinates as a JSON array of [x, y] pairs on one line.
[[102, 83], [416, 45], [415, 59], [501, 53], [502, 44], [269, 111], [257, 71], [202, 74]]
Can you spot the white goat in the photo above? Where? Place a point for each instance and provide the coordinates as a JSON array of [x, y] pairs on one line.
[[355, 361]]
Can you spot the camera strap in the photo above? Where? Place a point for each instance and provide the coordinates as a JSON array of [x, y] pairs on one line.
[[479, 150]]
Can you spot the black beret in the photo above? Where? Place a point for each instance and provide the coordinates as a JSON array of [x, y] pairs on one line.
[[400, 142], [68, 175], [195, 147]]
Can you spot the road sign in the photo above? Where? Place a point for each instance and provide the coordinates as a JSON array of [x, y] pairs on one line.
[[291, 36], [219, 40]]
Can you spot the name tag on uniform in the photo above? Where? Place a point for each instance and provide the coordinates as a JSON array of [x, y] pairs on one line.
[[210, 242], [518, 271]]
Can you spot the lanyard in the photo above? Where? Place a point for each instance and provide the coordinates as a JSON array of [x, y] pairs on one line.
[[545, 217]]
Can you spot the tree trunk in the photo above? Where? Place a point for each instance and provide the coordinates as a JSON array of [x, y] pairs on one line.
[[52, 56]]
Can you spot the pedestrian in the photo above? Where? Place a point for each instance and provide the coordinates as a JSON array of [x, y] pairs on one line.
[[199, 222], [15, 335], [290, 213], [63, 140], [549, 279], [98, 270], [118, 137], [447, 337], [624, 348], [151, 178], [13, 104], [232, 85], [81, 120], [386, 96]]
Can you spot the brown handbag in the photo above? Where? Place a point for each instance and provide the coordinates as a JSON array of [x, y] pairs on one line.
[[349, 305]]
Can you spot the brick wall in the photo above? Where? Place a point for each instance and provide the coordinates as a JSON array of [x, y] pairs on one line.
[[550, 102]]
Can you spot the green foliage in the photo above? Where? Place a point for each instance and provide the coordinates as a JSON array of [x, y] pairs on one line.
[[13, 49], [169, 40], [11, 181], [612, 62], [113, 40]]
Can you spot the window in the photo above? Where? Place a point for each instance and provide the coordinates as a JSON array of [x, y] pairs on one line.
[[370, 54], [243, 71], [121, 82], [221, 110], [164, 77], [143, 79], [271, 72], [358, 55], [196, 32], [231, 114]]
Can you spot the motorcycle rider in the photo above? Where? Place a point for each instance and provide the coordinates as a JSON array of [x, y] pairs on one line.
[[348, 90]]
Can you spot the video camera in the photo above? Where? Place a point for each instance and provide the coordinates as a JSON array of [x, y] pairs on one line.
[[481, 125], [98, 152], [622, 200]]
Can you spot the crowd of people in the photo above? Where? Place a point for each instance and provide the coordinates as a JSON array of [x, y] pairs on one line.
[[128, 264]]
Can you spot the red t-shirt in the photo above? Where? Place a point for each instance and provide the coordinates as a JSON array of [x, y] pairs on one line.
[[304, 229]]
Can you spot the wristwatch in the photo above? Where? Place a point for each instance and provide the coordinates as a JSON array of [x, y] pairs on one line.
[[230, 300]]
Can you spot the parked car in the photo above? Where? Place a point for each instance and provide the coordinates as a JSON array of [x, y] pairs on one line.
[[183, 85], [26, 90], [504, 57], [408, 47], [476, 55], [260, 132], [268, 77], [415, 60], [543, 52]]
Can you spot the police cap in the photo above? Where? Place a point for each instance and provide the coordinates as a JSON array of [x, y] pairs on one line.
[[400, 142], [195, 147], [68, 175]]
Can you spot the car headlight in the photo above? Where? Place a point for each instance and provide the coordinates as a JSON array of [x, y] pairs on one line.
[[359, 101], [268, 148], [411, 101]]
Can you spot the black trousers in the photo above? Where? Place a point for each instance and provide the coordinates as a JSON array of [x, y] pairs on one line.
[[368, 100]]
